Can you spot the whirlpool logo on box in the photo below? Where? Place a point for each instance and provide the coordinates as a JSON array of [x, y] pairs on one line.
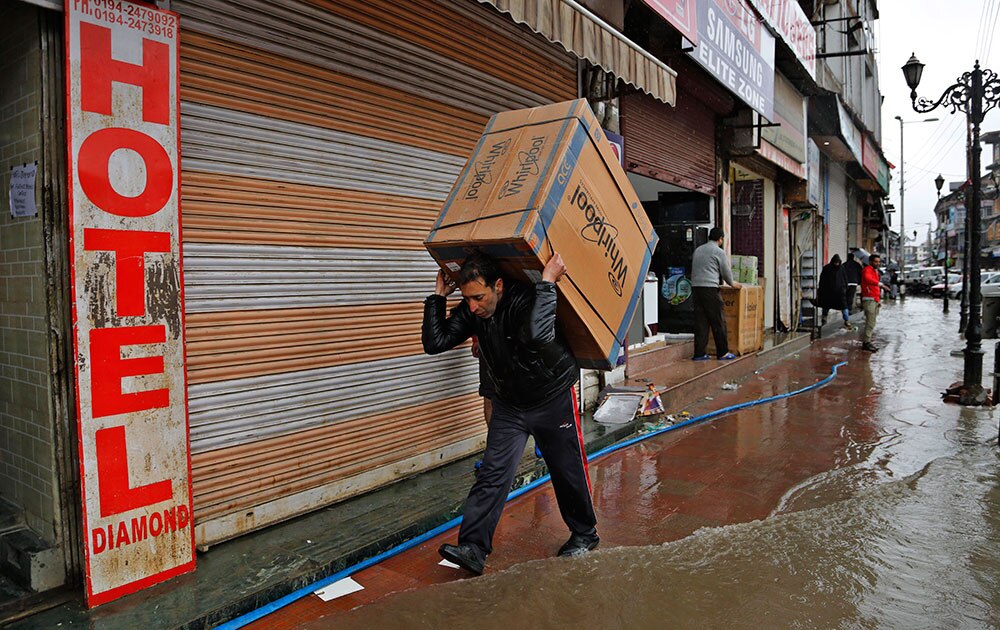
[[483, 169], [601, 232], [527, 168]]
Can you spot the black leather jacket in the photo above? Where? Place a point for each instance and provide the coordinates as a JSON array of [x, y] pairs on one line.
[[526, 357]]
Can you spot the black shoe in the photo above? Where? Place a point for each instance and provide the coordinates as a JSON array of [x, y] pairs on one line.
[[465, 556], [579, 544], [870, 347]]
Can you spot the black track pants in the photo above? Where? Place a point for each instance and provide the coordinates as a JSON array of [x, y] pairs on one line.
[[708, 313], [556, 427]]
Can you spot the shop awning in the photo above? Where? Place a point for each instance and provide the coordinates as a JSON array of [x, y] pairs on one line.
[[587, 36]]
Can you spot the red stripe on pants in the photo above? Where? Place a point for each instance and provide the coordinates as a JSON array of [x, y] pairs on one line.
[[579, 436]]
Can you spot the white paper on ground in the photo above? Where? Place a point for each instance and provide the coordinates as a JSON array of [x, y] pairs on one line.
[[618, 408], [450, 565], [338, 589]]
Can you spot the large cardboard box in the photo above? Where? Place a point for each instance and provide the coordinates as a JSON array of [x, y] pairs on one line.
[[743, 309], [546, 180]]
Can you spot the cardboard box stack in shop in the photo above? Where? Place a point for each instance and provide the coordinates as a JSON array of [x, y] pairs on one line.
[[743, 310], [546, 180]]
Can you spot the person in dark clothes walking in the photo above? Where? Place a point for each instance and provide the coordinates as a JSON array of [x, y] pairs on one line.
[[533, 373], [709, 267], [832, 293], [852, 271]]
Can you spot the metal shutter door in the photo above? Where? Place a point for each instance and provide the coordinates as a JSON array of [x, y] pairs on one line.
[[319, 139], [837, 225], [672, 144]]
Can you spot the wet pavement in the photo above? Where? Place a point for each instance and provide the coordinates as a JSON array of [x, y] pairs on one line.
[[865, 503]]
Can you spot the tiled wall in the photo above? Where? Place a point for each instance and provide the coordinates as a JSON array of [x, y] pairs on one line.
[[27, 456]]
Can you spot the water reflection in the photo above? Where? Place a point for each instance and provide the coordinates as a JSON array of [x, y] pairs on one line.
[[915, 552], [902, 530]]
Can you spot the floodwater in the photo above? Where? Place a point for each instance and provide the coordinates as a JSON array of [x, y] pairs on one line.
[[903, 531]]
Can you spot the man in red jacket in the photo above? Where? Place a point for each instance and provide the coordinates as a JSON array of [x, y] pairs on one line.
[[871, 298]]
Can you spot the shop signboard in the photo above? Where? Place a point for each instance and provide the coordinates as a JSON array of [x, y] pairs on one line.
[[812, 171], [850, 132], [681, 14], [869, 157], [123, 122], [789, 21], [883, 175], [874, 164], [735, 48], [785, 144]]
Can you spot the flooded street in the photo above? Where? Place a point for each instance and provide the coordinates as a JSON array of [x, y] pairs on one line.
[[900, 530]]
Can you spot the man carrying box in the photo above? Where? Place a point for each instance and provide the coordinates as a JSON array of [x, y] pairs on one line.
[[709, 266], [533, 374]]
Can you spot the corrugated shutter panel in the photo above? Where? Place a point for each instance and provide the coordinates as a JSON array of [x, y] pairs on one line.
[[319, 139], [837, 225], [672, 144]]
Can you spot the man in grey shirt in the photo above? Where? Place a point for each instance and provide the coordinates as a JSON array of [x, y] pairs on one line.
[[709, 267]]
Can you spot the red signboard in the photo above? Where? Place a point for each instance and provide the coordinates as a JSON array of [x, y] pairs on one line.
[[123, 120], [869, 156], [681, 14]]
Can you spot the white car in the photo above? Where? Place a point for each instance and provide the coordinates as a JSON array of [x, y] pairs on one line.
[[954, 280], [989, 284]]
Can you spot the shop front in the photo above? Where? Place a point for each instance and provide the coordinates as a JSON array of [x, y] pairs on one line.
[[317, 142], [670, 158]]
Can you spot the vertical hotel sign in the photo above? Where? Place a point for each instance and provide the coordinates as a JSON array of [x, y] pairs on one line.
[[124, 175]]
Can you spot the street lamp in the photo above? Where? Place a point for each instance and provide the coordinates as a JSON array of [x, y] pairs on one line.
[[902, 171], [975, 93], [939, 182]]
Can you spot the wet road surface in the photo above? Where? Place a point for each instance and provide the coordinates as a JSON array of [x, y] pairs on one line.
[[866, 503]]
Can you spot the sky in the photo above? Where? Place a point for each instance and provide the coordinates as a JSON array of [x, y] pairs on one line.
[[947, 36]]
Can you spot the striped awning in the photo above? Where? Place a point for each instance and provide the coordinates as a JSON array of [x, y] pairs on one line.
[[587, 36]]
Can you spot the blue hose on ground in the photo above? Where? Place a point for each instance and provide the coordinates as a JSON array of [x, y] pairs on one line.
[[252, 616]]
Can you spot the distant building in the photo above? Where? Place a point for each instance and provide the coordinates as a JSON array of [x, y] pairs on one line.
[[951, 208]]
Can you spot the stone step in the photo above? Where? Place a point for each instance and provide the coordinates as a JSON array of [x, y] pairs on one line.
[[690, 382], [667, 351], [30, 561]]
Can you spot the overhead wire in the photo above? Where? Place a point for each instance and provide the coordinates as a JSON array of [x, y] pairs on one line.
[[992, 31], [981, 32], [944, 132], [935, 158], [947, 135]]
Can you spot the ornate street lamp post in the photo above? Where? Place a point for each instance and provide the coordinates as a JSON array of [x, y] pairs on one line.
[[975, 93]]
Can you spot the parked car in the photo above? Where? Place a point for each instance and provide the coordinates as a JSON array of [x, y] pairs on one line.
[[953, 280], [921, 279], [989, 285]]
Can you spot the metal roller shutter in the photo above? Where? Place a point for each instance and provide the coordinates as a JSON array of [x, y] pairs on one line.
[[837, 224], [672, 144], [319, 139]]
